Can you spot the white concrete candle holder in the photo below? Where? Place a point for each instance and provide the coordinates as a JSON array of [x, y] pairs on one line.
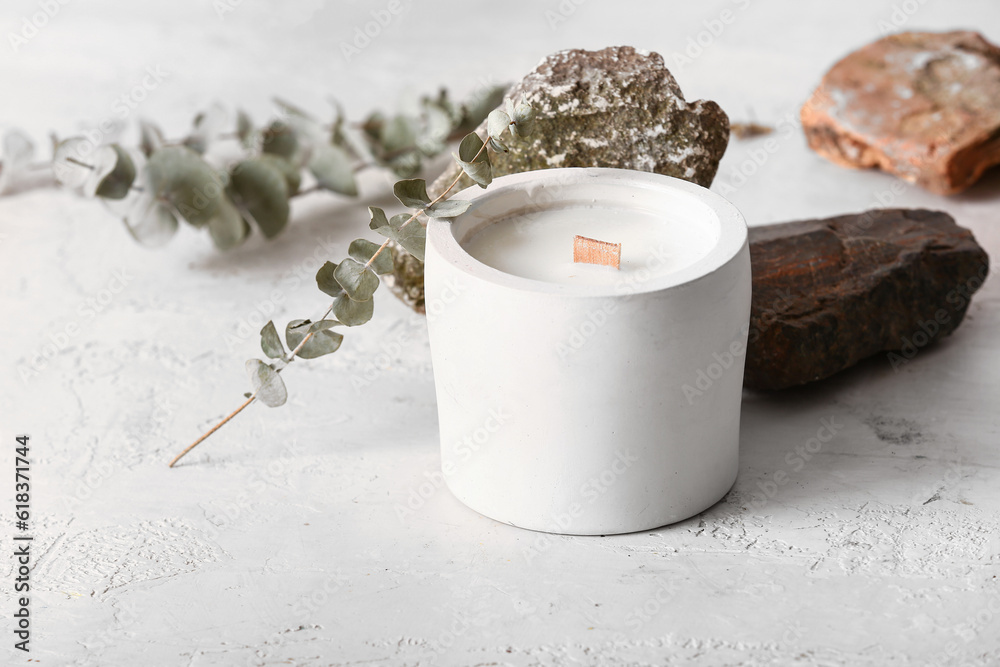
[[567, 399]]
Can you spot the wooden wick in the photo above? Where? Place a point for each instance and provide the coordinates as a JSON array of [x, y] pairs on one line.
[[592, 251]]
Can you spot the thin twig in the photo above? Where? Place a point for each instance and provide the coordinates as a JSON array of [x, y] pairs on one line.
[[214, 429]]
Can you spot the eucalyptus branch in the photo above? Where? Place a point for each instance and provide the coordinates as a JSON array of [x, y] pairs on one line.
[[352, 282], [273, 159]]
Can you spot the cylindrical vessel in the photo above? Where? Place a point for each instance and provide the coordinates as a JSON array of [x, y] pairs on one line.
[[589, 409]]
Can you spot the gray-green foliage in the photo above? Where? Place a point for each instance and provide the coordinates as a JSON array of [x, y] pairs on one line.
[[352, 281], [260, 191], [313, 337], [474, 160], [166, 182], [267, 384]]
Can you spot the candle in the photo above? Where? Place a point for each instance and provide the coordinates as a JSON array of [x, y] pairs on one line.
[[580, 398], [540, 246]]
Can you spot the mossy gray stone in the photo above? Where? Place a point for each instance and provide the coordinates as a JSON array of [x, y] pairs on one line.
[[617, 107]]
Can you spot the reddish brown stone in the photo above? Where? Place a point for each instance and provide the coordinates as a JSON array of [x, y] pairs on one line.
[[829, 293], [922, 105]]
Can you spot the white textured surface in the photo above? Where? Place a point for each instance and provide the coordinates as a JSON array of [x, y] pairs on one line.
[[279, 542]]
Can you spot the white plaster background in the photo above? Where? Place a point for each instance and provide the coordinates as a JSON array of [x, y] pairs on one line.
[[279, 542]]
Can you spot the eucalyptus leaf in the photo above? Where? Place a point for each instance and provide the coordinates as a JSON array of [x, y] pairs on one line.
[[357, 280], [150, 137], [291, 109], [331, 165], [379, 221], [149, 222], [363, 250], [71, 161], [244, 127], [261, 191], [206, 127], [279, 138], [398, 134], [405, 165], [227, 227], [322, 325], [524, 121], [353, 313], [496, 123], [412, 236], [266, 383], [337, 136], [293, 177], [305, 126], [448, 208], [443, 102], [412, 192], [437, 127], [320, 341], [100, 165], [326, 281], [181, 177], [372, 126], [113, 183], [478, 107], [270, 342], [475, 159]]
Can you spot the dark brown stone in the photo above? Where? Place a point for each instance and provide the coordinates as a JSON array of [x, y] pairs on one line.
[[829, 293]]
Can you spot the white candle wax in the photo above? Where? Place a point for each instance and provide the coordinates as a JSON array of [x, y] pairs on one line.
[[540, 245]]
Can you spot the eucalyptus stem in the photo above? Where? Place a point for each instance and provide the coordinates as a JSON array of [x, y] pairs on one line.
[[294, 353], [413, 217], [204, 436], [352, 283], [215, 428]]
